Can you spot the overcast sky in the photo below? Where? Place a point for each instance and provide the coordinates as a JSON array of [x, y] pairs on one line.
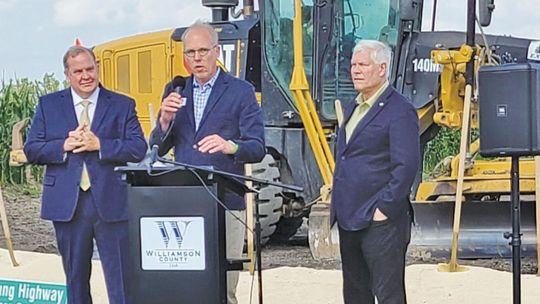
[[35, 33]]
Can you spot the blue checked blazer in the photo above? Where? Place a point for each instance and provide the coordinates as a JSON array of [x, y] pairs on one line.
[[231, 112]]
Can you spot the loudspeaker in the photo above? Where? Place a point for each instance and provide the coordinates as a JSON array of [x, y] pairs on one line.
[[509, 109]]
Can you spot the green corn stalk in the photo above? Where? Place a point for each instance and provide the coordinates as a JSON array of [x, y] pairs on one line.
[[445, 144], [18, 100]]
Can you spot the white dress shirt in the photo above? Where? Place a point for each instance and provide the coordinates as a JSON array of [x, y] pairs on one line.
[[79, 107]]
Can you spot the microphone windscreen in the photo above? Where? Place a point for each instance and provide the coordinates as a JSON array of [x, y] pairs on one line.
[[178, 83]]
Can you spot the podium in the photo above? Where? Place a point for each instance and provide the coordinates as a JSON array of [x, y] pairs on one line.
[[177, 232], [177, 236]]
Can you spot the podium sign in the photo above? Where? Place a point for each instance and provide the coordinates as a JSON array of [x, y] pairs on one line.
[[172, 243], [177, 238]]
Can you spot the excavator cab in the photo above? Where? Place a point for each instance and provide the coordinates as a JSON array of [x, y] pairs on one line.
[[330, 32]]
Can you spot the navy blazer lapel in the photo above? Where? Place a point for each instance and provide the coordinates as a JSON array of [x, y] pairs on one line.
[[102, 106], [66, 101], [348, 112], [220, 86], [375, 109], [189, 107]]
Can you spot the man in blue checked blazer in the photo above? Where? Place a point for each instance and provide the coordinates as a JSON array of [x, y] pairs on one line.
[[220, 125]]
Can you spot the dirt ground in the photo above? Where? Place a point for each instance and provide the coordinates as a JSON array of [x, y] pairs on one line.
[[30, 233]]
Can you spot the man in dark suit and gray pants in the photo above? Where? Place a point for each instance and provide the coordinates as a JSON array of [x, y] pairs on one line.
[[81, 134], [377, 156]]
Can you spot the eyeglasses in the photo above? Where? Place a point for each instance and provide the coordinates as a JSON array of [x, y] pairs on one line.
[[202, 51]]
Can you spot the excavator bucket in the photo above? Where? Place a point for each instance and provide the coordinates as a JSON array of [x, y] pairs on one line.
[[323, 239], [482, 229]]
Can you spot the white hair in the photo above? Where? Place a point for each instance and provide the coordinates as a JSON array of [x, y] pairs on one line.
[[380, 52], [200, 24]]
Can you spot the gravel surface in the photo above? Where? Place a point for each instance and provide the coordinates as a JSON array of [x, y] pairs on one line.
[[30, 233]]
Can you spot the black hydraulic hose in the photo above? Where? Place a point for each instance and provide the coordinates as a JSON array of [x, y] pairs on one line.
[[471, 19]]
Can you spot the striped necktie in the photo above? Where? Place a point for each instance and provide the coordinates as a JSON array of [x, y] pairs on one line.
[[85, 119]]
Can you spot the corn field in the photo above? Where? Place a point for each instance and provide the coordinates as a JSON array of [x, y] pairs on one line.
[[445, 144], [18, 99]]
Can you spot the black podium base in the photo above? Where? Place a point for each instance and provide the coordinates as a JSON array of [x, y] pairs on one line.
[[178, 250]]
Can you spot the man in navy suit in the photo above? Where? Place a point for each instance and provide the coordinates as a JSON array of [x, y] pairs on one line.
[[81, 134], [377, 156], [220, 125]]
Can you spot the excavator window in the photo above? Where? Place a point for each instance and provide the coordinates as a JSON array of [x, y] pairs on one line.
[[278, 27], [354, 20]]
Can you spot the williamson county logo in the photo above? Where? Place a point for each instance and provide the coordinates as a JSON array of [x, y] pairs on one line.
[[172, 243]]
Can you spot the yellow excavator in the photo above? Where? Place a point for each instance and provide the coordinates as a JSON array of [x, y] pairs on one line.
[[297, 54]]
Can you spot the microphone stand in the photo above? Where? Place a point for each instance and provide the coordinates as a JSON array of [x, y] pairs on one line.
[[245, 188], [233, 176], [258, 232]]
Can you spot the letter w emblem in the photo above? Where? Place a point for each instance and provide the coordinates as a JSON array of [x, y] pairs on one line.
[[176, 229]]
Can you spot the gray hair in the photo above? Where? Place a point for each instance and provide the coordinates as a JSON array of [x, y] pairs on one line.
[[74, 51], [199, 24], [380, 52]]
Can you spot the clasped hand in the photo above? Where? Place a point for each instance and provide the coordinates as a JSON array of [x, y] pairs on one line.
[[81, 140]]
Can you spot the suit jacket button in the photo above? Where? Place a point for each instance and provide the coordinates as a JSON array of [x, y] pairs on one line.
[[343, 158], [195, 147]]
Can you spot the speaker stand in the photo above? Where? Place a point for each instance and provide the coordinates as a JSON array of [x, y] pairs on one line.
[[516, 233]]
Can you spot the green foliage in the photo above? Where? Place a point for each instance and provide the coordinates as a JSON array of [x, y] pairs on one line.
[[18, 100], [445, 144]]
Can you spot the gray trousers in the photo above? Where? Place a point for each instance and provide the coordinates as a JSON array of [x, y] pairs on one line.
[[235, 232]]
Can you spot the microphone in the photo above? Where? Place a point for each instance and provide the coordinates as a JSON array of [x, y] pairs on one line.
[[178, 84], [153, 154], [152, 157]]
